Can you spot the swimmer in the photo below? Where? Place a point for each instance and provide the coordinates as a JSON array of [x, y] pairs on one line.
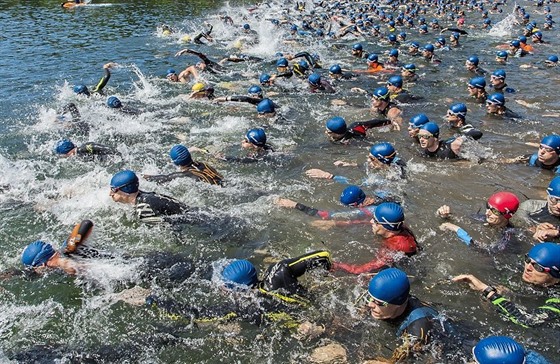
[[456, 117], [182, 158], [500, 208], [206, 64], [83, 90], [414, 49], [318, 85], [387, 223], [495, 349], [201, 91], [398, 93], [254, 144], [65, 148], [373, 65], [358, 51], [541, 269], [547, 156], [381, 103], [414, 125], [432, 147], [496, 105], [113, 102], [408, 72], [498, 81], [502, 57], [428, 54], [337, 131], [471, 64], [254, 96], [393, 61], [477, 89]]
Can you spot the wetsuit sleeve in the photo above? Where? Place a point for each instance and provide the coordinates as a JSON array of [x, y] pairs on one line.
[[316, 259], [161, 178], [383, 258], [250, 100], [365, 125], [341, 179], [514, 314], [286, 74], [73, 110], [473, 133], [307, 210], [103, 81], [464, 236]]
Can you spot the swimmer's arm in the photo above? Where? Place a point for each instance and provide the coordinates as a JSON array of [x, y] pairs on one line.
[[520, 159], [105, 79], [318, 173], [161, 178], [368, 267], [456, 145], [373, 123], [191, 70], [395, 115], [461, 234]]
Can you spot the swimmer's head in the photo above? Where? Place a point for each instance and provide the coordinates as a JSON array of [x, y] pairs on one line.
[[198, 87], [499, 349], [352, 196], [255, 91], [336, 125], [551, 60], [172, 75], [383, 152], [335, 69], [113, 102], [125, 181], [64, 147], [266, 106], [264, 79], [240, 272], [502, 56], [37, 254], [282, 63], [552, 141], [180, 155], [81, 90], [314, 79], [381, 93]]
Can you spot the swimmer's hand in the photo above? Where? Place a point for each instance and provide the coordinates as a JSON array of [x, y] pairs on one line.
[[318, 173], [444, 211], [357, 89], [110, 65], [546, 230], [183, 51], [324, 225], [197, 149], [220, 99], [395, 125], [473, 282], [345, 164], [449, 226], [285, 202]]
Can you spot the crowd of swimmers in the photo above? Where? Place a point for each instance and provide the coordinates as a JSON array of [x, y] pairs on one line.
[[388, 295]]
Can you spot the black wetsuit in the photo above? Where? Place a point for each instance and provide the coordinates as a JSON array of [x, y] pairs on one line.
[[248, 99], [403, 96], [284, 296], [549, 313], [197, 170], [155, 208], [94, 149], [103, 81], [358, 129], [470, 131], [443, 151]]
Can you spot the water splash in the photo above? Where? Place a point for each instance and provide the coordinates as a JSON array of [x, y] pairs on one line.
[[505, 27]]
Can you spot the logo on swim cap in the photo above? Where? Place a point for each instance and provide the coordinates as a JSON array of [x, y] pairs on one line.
[[256, 137], [113, 102]]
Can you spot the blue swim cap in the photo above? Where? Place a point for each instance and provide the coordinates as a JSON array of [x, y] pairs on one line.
[[424, 28], [282, 62], [113, 102], [552, 141], [246, 26], [435, 21], [552, 59], [498, 350], [396, 81], [392, 38], [459, 109], [393, 53], [303, 64], [336, 125], [455, 35], [402, 35], [81, 90], [314, 79], [411, 67], [441, 40], [390, 215], [335, 69], [515, 43], [37, 254], [264, 79], [240, 271], [381, 93], [554, 187], [373, 58], [496, 99], [392, 25], [170, 71], [256, 137], [418, 120], [293, 27], [266, 106], [415, 44], [64, 146], [429, 47], [357, 47], [473, 60], [125, 181], [499, 74], [537, 35], [487, 21], [432, 128], [390, 285], [180, 155], [384, 152], [478, 82], [255, 91], [352, 196], [502, 54], [547, 255], [522, 39]]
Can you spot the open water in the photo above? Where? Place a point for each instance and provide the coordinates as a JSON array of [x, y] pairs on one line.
[[45, 50]]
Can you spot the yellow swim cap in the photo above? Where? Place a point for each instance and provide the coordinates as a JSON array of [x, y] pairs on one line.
[[186, 38], [199, 86], [166, 33], [238, 44]]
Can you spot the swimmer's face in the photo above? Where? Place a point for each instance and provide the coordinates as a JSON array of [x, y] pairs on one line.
[[531, 275], [547, 155], [492, 108], [378, 103], [356, 53], [501, 60], [392, 88], [117, 196], [173, 77], [453, 119], [376, 228], [412, 131], [375, 163], [380, 310], [470, 66], [281, 69], [201, 66], [333, 136], [426, 139], [473, 91], [412, 50], [497, 81], [494, 217], [553, 205]]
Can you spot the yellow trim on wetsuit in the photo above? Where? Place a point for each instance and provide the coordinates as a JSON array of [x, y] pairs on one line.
[[553, 309], [320, 254], [289, 299]]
